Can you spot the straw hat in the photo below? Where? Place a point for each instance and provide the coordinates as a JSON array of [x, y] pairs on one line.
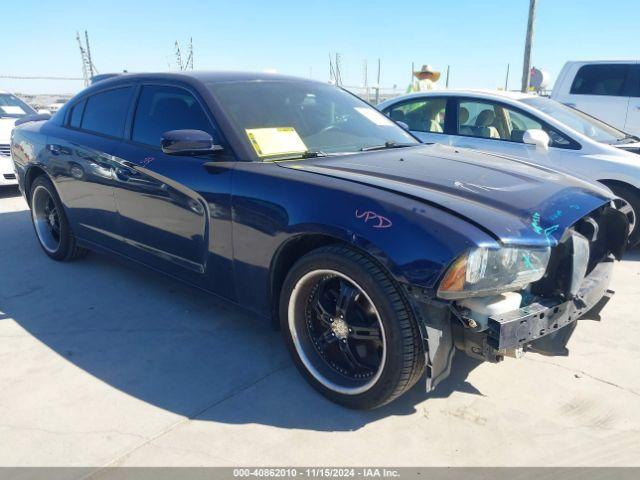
[[428, 69]]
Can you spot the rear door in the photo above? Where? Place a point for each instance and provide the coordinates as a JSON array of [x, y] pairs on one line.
[[163, 217], [601, 90], [426, 118], [82, 159]]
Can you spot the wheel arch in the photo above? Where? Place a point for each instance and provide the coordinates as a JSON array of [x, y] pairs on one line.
[[609, 181], [32, 173], [286, 256], [296, 247]]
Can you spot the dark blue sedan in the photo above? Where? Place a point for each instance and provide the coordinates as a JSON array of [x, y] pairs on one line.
[[377, 256]]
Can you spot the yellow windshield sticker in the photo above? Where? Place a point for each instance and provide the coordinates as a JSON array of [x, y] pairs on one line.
[[275, 141]]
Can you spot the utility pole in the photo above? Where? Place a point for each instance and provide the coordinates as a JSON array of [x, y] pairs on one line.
[[189, 62], [413, 70], [447, 82], [332, 71], [378, 84], [338, 69], [526, 67], [179, 56], [506, 80], [366, 81], [88, 68], [86, 41]]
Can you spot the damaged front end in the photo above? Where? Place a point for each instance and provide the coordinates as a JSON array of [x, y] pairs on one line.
[[496, 303]]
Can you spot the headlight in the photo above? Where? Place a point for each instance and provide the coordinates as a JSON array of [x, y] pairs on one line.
[[483, 272]]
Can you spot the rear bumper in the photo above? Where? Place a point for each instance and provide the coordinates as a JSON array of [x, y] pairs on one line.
[[545, 318]]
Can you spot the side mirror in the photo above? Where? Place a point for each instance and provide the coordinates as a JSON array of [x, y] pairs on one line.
[[403, 125], [537, 137], [188, 142]]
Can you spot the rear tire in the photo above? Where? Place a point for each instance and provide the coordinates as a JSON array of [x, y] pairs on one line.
[[349, 328], [631, 208], [51, 224]]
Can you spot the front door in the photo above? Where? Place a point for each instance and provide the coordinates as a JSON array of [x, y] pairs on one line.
[[498, 128], [164, 219]]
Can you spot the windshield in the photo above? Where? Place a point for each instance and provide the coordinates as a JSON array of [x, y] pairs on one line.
[[581, 122], [285, 118], [13, 107]]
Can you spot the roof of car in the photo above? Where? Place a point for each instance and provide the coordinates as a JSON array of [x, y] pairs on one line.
[[209, 76], [611, 60], [478, 93]]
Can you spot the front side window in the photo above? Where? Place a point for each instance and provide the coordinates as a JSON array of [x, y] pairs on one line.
[[106, 112], [278, 118], [163, 108], [491, 120], [600, 80], [421, 115]]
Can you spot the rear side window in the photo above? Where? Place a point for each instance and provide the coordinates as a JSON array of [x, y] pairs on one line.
[[163, 108], [601, 80], [76, 114], [106, 112]]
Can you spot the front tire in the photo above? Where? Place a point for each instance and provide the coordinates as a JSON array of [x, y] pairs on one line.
[[51, 224], [349, 328]]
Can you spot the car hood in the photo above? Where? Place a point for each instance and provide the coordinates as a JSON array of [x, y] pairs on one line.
[[6, 125], [513, 200]]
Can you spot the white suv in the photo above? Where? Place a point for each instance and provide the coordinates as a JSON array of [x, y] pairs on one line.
[[11, 109], [606, 89]]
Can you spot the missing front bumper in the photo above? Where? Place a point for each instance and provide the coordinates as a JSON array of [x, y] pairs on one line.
[[541, 324]]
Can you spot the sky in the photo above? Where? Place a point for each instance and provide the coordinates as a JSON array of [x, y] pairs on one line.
[[477, 39]]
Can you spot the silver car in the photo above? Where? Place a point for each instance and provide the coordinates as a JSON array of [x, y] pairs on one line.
[[528, 126]]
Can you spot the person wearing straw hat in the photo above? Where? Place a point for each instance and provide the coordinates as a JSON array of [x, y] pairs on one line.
[[426, 79]]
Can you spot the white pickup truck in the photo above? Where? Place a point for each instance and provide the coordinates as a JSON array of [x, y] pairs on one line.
[[606, 89]]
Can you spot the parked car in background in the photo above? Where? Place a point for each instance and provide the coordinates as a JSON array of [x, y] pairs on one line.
[[537, 129], [57, 105], [606, 89], [11, 109], [377, 255]]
